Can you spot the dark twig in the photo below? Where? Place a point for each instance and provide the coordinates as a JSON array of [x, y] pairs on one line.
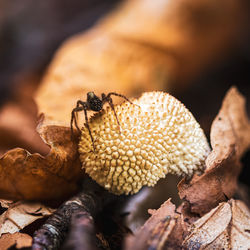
[[80, 209], [82, 233]]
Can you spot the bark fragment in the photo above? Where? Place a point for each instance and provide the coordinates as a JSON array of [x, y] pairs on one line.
[[82, 210]]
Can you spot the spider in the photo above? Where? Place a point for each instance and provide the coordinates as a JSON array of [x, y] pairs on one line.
[[93, 103]]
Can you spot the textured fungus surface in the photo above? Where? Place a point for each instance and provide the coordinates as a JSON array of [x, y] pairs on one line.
[[157, 137]]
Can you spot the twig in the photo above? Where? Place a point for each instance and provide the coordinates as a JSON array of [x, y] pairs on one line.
[[80, 209], [82, 233]]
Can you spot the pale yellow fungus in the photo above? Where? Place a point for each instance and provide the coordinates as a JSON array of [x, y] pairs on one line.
[[159, 137]]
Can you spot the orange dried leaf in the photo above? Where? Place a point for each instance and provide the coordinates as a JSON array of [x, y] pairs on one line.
[[45, 175], [225, 227], [17, 240], [23, 175], [36, 177], [230, 138]]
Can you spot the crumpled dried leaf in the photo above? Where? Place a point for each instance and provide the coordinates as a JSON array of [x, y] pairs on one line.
[[165, 227], [230, 138], [225, 227], [20, 215], [36, 177], [19, 240]]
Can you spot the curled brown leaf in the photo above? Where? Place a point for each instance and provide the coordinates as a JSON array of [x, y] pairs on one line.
[[36, 177], [230, 138], [164, 228], [28, 175], [225, 227]]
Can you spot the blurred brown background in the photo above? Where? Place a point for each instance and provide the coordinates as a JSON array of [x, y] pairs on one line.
[[31, 31]]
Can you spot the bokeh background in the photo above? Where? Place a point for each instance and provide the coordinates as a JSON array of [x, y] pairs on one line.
[[215, 57]]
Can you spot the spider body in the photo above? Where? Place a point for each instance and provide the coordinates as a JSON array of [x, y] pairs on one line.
[[93, 103]]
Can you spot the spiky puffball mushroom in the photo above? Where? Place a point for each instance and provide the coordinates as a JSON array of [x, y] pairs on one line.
[[157, 137]]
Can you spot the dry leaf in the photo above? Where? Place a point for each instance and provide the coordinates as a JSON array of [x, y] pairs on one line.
[[89, 62], [196, 34], [230, 138], [225, 227], [5, 203], [20, 215], [164, 226], [18, 240], [52, 174], [35, 177]]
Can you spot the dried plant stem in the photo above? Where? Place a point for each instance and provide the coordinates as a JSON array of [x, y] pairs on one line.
[[82, 232], [80, 212]]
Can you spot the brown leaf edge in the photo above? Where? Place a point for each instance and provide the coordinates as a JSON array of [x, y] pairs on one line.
[[21, 214], [166, 227], [230, 138], [25, 176], [225, 227]]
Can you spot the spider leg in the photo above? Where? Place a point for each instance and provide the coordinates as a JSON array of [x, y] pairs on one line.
[[110, 101], [85, 108], [74, 119], [107, 98], [122, 96], [79, 107]]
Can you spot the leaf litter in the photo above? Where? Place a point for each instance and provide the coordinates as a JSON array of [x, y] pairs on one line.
[[21, 214]]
